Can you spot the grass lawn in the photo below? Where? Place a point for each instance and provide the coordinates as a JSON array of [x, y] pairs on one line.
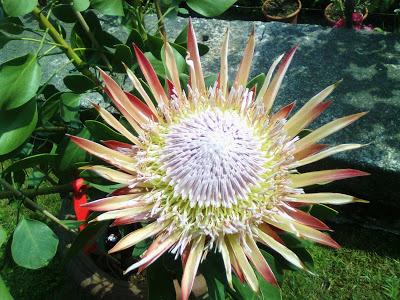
[[367, 267]]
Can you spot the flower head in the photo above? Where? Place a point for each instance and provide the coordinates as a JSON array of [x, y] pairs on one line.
[[215, 169]]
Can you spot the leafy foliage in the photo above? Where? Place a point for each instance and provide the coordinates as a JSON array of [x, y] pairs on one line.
[[34, 244]]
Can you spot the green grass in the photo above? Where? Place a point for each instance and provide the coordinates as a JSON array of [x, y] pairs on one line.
[[367, 267]]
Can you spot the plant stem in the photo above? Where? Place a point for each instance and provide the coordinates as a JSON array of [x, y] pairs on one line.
[[24, 195], [57, 37], [160, 18], [50, 129], [86, 28]]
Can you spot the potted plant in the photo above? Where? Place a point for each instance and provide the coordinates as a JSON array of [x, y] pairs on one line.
[[336, 10], [282, 10]]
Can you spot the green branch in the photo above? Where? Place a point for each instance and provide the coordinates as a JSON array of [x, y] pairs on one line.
[[58, 39], [25, 194]]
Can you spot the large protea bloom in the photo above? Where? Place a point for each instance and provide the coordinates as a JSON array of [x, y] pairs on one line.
[[215, 169]]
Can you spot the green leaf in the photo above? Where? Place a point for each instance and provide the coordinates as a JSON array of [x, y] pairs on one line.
[[3, 235], [64, 12], [156, 63], [17, 8], [100, 131], [4, 39], [71, 153], [135, 38], [4, 293], [214, 273], [210, 80], [155, 44], [32, 161], [182, 36], [72, 224], [78, 83], [267, 290], [210, 8], [140, 247], [11, 25], [106, 188], [19, 79], [123, 54], [16, 126], [180, 60], [70, 104], [160, 281], [85, 237], [81, 5], [256, 81], [34, 244], [323, 212], [109, 7], [203, 49]]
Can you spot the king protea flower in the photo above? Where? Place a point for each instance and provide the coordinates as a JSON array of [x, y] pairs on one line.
[[214, 169]]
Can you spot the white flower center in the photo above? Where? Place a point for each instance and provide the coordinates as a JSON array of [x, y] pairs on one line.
[[212, 158]]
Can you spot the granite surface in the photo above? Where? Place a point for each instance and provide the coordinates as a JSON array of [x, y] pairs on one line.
[[368, 63]]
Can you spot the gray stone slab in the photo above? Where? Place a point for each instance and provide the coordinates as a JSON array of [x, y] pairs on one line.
[[368, 63]]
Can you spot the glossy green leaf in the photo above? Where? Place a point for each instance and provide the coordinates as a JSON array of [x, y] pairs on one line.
[[210, 8], [100, 131], [32, 161], [34, 244], [106, 188], [4, 293], [70, 104], [71, 153], [123, 54], [16, 126], [15, 8], [81, 5], [3, 236], [109, 7], [78, 83], [19, 81], [210, 80]]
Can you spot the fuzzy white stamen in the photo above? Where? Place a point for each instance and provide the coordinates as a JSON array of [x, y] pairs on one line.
[[212, 158]]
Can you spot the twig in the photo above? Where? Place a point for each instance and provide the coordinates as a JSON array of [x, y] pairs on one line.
[[23, 194], [160, 18]]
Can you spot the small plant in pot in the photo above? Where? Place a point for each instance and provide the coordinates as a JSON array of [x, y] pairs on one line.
[[335, 12], [282, 10]]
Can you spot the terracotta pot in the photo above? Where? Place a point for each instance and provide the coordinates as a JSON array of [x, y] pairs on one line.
[[331, 21], [291, 18]]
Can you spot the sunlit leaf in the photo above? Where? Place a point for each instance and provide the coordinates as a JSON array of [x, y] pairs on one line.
[[210, 8], [19, 80], [17, 8], [16, 126], [109, 7]]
